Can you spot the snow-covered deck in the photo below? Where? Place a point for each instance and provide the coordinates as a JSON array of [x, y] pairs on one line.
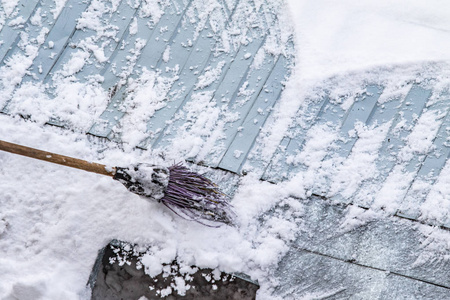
[[346, 162], [178, 73]]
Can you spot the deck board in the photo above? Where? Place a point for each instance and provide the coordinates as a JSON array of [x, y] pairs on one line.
[[9, 35], [242, 143], [100, 50], [222, 81], [164, 31]]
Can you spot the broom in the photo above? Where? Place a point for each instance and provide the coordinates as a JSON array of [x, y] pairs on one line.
[[186, 193]]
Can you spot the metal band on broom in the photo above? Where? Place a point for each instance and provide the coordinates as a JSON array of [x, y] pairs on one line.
[[186, 193]]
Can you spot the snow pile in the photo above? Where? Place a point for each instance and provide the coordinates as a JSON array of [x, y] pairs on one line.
[[55, 219], [335, 37]]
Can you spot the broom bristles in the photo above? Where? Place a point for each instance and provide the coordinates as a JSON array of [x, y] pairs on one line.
[[195, 197]]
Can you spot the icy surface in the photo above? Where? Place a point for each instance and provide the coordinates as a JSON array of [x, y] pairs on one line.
[[54, 220]]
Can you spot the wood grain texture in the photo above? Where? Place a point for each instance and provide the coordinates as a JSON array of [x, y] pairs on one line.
[[57, 158]]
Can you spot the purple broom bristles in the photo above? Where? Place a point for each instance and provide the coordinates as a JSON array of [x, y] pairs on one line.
[[195, 197]]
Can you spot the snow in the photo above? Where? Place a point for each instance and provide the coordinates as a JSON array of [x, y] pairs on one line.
[[211, 75], [153, 179], [9, 6], [59, 5], [134, 27], [146, 95], [54, 219], [336, 37], [436, 205], [361, 165]]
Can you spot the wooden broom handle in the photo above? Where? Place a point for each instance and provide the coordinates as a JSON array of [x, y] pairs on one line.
[[57, 158]]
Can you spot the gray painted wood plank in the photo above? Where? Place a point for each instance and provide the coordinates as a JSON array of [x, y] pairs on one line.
[[9, 35], [62, 30], [411, 107], [167, 131], [239, 149], [165, 31], [329, 114], [384, 113], [279, 169], [197, 60], [428, 168], [33, 35], [306, 275], [386, 243], [362, 110], [191, 63], [235, 69], [239, 103], [120, 18], [119, 66]]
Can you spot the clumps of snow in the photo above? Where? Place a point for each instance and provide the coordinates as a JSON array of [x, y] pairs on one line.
[[133, 26], [79, 104], [153, 9], [342, 90], [105, 33], [420, 140], [75, 64], [318, 139], [36, 19], [155, 258], [394, 89], [361, 164], [393, 189], [88, 45], [132, 59], [200, 116], [16, 66], [166, 54], [92, 19], [210, 75], [258, 59], [237, 153], [70, 94], [356, 217], [165, 292], [9, 6], [17, 22], [200, 12], [59, 5], [43, 231], [436, 205], [31, 100], [146, 94]]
